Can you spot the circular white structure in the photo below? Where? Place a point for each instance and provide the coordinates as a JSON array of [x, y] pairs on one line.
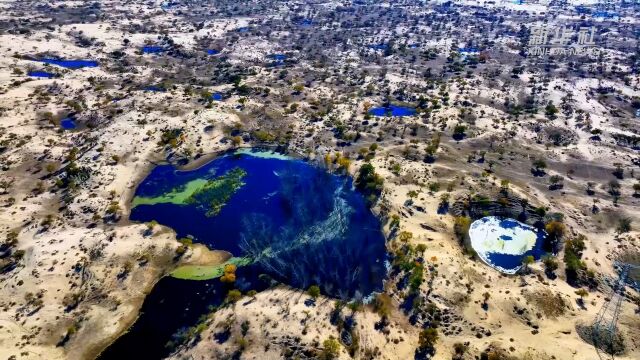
[[503, 242]]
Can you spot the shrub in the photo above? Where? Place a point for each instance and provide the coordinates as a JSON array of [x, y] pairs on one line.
[[461, 227], [550, 263], [382, 304], [233, 296], [330, 349], [428, 338], [313, 291], [624, 225]]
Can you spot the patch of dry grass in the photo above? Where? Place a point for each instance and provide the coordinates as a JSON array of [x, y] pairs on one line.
[[547, 302]]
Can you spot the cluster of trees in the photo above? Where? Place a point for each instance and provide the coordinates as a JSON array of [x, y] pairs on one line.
[[426, 342], [171, 137], [340, 161], [330, 349], [369, 183], [432, 148], [573, 249], [9, 256]]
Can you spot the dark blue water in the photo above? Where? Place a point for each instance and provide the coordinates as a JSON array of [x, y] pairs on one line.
[[172, 307], [155, 88], [217, 96], [393, 110], [316, 228], [71, 64], [68, 123], [243, 29], [305, 22], [605, 14], [169, 5], [277, 208], [468, 50], [41, 74], [277, 57], [151, 49], [213, 52], [379, 46], [581, 9]]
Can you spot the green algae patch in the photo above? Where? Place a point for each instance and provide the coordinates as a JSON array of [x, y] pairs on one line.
[[176, 196], [206, 272], [207, 195], [215, 193]]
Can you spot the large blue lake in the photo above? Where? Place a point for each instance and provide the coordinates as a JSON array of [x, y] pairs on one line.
[[297, 223]]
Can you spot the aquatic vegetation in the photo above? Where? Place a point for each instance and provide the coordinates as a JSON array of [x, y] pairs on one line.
[[207, 272], [215, 193], [207, 195], [176, 196]]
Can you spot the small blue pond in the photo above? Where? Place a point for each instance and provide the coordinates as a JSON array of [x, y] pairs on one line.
[[155, 88], [468, 50], [169, 5], [393, 110], [217, 96], [278, 59], [243, 29], [152, 49], [299, 224], [41, 74], [71, 64], [68, 123], [606, 14], [379, 46], [305, 22], [213, 51], [581, 9]]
